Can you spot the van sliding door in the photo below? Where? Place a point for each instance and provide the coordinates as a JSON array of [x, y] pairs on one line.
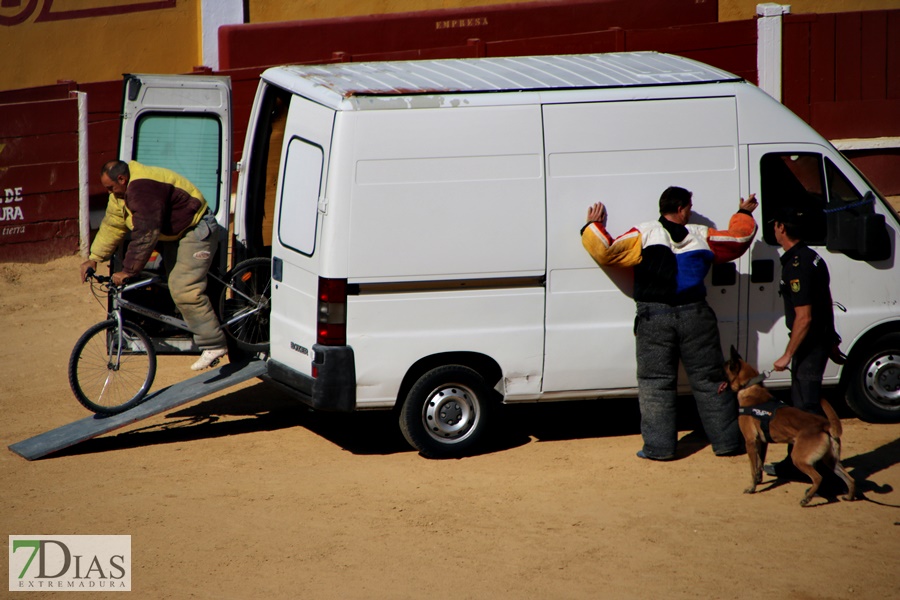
[[625, 154]]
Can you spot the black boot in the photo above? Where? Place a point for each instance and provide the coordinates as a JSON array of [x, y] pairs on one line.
[[785, 470]]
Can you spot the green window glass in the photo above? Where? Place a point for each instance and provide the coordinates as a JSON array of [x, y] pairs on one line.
[[187, 144]]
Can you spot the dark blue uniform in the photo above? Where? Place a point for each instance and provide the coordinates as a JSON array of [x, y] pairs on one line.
[[805, 282]]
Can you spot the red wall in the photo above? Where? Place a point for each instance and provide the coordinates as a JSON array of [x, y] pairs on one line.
[[38, 174], [841, 74], [444, 33]]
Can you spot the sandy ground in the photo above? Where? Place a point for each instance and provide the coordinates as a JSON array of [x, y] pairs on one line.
[[248, 495]]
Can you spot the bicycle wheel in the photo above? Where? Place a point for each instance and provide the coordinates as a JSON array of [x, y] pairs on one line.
[[244, 304], [105, 379]]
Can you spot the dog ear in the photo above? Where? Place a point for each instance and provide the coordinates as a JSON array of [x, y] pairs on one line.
[[734, 362]]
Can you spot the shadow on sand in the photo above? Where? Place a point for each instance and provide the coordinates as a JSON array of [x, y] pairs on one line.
[[263, 408]]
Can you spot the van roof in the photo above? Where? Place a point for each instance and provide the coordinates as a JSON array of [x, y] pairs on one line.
[[333, 82]]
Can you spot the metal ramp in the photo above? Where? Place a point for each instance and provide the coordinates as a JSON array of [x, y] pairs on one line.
[[202, 385]]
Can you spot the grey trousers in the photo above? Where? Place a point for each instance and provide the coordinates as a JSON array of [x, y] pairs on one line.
[[690, 333], [191, 257]]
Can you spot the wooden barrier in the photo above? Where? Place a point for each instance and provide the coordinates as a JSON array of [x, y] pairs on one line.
[[39, 177], [841, 74], [412, 35]]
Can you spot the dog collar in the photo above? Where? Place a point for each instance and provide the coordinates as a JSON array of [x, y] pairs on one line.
[[756, 380]]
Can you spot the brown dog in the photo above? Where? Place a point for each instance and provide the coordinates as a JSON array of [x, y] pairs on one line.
[[815, 438]]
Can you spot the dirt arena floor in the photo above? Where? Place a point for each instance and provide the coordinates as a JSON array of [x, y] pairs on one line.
[[248, 495]]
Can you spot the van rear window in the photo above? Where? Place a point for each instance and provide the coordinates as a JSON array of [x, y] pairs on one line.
[[190, 145], [300, 189]]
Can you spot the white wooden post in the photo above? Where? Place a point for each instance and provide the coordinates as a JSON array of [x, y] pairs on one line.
[[84, 216], [768, 46], [214, 14]]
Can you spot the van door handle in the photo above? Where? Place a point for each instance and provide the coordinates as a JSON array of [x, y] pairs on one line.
[[277, 268], [762, 271]]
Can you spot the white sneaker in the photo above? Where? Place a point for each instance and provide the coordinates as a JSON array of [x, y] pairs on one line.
[[209, 358]]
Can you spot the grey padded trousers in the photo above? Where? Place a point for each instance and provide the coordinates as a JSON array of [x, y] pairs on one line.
[[193, 255], [690, 333]]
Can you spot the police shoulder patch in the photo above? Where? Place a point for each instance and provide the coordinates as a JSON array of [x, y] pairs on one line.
[[795, 285]]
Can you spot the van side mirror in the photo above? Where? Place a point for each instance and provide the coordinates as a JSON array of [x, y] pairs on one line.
[[874, 242], [860, 234]]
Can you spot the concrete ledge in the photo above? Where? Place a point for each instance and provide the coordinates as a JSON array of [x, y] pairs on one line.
[[879, 143]]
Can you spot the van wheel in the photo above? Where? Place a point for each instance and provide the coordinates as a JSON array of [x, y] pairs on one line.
[[445, 412], [874, 388]]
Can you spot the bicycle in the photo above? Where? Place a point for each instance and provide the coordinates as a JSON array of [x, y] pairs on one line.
[[113, 363]]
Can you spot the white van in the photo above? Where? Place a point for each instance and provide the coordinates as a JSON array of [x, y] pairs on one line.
[[423, 221]]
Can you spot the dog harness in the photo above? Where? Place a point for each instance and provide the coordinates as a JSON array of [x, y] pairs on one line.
[[763, 413]]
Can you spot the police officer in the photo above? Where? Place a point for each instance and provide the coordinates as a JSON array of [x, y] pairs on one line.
[[808, 313], [809, 316]]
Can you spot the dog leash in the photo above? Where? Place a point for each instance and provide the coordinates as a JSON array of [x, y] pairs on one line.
[[760, 378]]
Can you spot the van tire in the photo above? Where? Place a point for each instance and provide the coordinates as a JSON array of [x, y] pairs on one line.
[[446, 412], [873, 390]]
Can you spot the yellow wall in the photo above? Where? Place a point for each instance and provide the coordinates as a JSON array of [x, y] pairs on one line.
[[98, 47], [735, 10]]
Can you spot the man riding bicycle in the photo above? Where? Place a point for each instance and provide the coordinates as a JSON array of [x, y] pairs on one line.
[[157, 204]]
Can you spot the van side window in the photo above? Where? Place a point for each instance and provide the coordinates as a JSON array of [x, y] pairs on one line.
[[794, 180], [840, 190], [190, 145], [300, 196]]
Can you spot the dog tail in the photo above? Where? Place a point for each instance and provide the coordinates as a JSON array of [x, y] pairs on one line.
[[834, 423]]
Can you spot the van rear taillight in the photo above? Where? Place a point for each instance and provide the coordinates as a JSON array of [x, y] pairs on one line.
[[331, 329]]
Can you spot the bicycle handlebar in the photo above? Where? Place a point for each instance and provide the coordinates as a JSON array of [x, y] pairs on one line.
[[91, 274], [149, 278]]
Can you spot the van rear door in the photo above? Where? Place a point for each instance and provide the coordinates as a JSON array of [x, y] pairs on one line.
[[182, 123], [296, 239]]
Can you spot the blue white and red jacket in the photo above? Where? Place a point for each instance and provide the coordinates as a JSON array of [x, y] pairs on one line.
[[670, 260]]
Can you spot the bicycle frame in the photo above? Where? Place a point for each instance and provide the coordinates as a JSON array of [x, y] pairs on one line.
[[119, 302]]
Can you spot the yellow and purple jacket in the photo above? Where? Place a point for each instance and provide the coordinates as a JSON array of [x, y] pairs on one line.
[[670, 260], [159, 205]]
